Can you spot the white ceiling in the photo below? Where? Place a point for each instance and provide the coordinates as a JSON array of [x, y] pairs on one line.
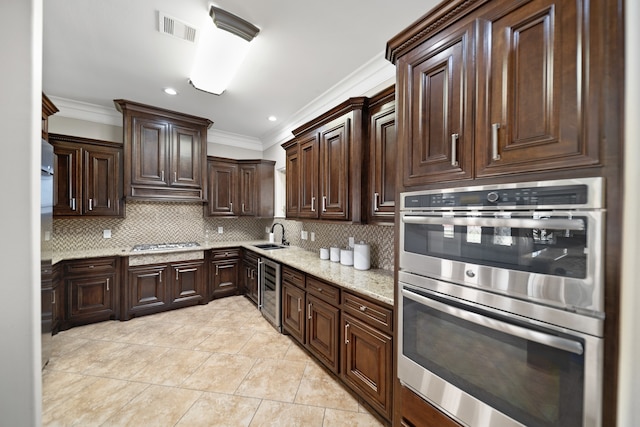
[[96, 51]]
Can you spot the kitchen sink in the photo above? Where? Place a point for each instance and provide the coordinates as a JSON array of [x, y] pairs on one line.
[[270, 246]]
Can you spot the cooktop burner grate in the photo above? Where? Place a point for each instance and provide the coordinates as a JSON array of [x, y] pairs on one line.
[[163, 246]]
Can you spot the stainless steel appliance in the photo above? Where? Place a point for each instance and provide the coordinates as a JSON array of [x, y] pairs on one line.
[[269, 292], [501, 301], [46, 250]]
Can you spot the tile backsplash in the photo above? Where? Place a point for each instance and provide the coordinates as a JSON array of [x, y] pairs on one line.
[[165, 222]]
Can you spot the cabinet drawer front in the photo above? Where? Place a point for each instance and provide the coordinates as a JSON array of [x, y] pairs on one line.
[[323, 290], [373, 314], [227, 253], [294, 277], [93, 265]]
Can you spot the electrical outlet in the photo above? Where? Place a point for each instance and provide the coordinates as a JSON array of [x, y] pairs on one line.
[[220, 230], [267, 230], [304, 235], [352, 242], [106, 234], [313, 236]]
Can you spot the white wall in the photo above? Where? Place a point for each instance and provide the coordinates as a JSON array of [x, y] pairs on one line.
[[629, 375], [85, 129], [20, 110]]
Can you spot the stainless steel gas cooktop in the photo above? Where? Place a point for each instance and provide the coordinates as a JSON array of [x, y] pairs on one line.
[[164, 246]]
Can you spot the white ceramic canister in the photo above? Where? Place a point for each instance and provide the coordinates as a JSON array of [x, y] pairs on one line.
[[324, 253], [335, 254], [346, 256], [361, 256]]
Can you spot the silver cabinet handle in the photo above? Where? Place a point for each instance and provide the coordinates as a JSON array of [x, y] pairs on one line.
[[309, 311], [175, 177], [346, 333], [90, 204], [363, 308], [73, 203], [107, 284], [160, 274], [217, 269], [494, 141], [313, 204], [324, 203], [53, 298], [376, 196], [243, 208], [231, 206], [260, 279], [299, 307], [162, 175], [177, 274], [454, 149]]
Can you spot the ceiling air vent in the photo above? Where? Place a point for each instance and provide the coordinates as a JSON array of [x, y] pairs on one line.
[[176, 28]]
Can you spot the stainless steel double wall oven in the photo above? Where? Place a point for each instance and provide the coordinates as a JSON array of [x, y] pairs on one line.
[[501, 302]]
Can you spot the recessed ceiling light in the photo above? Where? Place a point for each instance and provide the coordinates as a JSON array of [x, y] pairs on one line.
[[170, 91], [272, 118]]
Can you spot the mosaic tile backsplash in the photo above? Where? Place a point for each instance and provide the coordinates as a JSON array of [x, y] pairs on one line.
[[166, 222]]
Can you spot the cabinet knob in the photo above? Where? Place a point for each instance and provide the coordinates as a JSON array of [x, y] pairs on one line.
[[363, 308]]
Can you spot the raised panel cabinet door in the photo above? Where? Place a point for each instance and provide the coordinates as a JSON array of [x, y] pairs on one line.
[[367, 363], [90, 297], [436, 98], [322, 333], [292, 183], [186, 157], [308, 155], [147, 288], [532, 78], [293, 311], [67, 191], [224, 278], [187, 282], [248, 190], [149, 152], [383, 163], [222, 188], [334, 171], [102, 194]]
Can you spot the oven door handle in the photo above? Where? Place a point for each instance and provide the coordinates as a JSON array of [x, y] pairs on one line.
[[551, 223], [497, 325]]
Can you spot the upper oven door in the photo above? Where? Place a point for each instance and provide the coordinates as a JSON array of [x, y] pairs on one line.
[[548, 257]]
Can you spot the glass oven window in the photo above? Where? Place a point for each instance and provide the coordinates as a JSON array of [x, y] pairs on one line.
[[550, 251], [535, 384]]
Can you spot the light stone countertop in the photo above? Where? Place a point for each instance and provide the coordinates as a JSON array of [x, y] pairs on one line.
[[375, 283]]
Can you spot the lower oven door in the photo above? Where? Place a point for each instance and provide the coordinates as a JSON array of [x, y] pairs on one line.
[[484, 368]]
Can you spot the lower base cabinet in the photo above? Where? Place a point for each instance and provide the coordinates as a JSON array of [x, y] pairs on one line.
[[293, 310], [250, 275], [224, 267], [323, 333], [417, 412], [91, 287]]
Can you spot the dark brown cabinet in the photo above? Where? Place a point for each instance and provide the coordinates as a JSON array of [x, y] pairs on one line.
[[501, 90], [91, 287], [383, 154], [165, 153], [293, 189], [224, 267], [293, 304], [87, 178], [250, 274], [158, 287], [240, 187], [323, 322], [330, 155]]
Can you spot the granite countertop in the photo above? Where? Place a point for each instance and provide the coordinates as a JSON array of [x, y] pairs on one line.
[[375, 283]]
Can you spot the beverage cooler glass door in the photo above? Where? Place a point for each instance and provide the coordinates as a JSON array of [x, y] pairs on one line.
[[487, 368]]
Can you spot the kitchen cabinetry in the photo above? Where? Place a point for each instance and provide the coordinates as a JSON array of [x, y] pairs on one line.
[[383, 154], [48, 109], [250, 274], [87, 177], [224, 267], [294, 303], [416, 412], [165, 153], [91, 287], [240, 187], [57, 300], [367, 358], [329, 157], [293, 188], [152, 288], [531, 109]]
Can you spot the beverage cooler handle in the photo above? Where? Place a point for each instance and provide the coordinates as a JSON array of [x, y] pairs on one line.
[[550, 223], [497, 325], [260, 278]]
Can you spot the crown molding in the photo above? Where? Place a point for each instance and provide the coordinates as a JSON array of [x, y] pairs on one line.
[[88, 112], [376, 74], [216, 136]]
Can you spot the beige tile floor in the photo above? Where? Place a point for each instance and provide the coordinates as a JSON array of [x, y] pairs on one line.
[[219, 364]]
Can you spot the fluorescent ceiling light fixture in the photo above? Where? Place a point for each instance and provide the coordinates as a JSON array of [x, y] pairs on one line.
[[221, 50]]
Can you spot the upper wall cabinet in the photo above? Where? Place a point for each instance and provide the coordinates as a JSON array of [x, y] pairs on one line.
[[326, 160], [490, 88], [240, 187], [87, 177], [165, 153]]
